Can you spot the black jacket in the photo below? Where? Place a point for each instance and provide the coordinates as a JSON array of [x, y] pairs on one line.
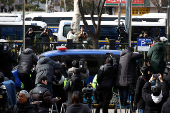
[[106, 75], [27, 108], [78, 108], [151, 106], [26, 61], [76, 84], [45, 37], [166, 106], [127, 68], [138, 93], [30, 35], [45, 66], [41, 93]]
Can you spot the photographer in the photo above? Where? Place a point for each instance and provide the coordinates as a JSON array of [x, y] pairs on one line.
[[75, 65], [45, 38], [144, 34], [105, 80], [71, 35], [74, 84], [123, 36], [30, 34], [155, 99], [82, 36]]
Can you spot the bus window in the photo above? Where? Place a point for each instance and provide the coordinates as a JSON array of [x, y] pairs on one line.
[[37, 19], [51, 21], [66, 30]]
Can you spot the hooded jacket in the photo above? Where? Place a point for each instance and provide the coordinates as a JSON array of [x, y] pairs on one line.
[[45, 67], [138, 92], [76, 84], [156, 54], [126, 69], [26, 61], [166, 106], [106, 76], [153, 104]]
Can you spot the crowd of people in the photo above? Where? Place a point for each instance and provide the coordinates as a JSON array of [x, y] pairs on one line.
[[47, 82]]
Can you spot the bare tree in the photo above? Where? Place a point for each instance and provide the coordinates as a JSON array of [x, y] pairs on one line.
[[97, 27], [158, 4]]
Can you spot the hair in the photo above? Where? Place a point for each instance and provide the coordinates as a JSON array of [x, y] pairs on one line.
[[42, 78], [130, 49], [1, 77], [77, 71], [156, 90], [24, 92], [75, 63], [144, 70], [109, 60], [77, 97]]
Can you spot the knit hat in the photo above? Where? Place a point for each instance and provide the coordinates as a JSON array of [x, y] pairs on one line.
[[24, 92]]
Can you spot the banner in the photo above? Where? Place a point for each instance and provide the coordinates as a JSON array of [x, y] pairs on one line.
[[124, 1]]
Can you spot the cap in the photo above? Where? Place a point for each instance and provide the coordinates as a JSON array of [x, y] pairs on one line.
[[24, 92]]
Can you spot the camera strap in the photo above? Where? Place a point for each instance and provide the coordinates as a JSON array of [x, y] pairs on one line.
[[143, 78]]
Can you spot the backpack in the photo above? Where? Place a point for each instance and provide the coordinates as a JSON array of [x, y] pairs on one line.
[[76, 85]]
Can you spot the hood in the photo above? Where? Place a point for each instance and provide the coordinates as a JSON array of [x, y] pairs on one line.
[[159, 46], [43, 60], [156, 99], [124, 52], [28, 51], [75, 77]]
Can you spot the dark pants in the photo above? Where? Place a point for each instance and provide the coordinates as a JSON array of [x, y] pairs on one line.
[[123, 92], [104, 95], [26, 80]]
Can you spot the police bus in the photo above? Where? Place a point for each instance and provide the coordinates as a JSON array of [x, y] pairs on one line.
[[11, 27]]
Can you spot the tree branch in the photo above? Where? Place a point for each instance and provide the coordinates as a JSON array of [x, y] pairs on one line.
[[83, 18], [98, 7], [99, 16], [92, 18]]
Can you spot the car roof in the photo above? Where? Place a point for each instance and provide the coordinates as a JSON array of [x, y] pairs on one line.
[[80, 52]]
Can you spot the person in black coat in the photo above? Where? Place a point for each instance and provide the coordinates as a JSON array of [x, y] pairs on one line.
[[166, 106], [105, 80], [153, 97], [74, 84], [127, 72], [26, 61], [30, 34], [138, 93]]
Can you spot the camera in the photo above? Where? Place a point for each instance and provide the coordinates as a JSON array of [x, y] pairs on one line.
[[88, 91], [156, 76], [5, 49], [84, 33], [82, 65]]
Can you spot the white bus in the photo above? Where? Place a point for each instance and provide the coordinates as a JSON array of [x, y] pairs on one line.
[[109, 29], [53, 19]]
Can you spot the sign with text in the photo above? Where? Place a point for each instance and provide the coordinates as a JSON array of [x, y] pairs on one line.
[[141, 44], [124, 1]]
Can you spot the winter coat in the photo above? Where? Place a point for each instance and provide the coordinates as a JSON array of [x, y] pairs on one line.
[[45, 37], [41, 93], [167, 80], [106, 75], [156, 54], [26, 61], [76, 84], [127, 68], [166, 106], [138, 93], [78, 108], [45, 67], [30, 35], [153, 104], [27, 108], [82, 37]]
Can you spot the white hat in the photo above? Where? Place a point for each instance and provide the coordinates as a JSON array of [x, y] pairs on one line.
[[24, 92]]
